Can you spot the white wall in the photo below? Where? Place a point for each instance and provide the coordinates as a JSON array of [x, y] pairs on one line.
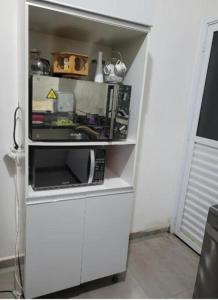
[[8, 97], [174, 42], [172, 55]]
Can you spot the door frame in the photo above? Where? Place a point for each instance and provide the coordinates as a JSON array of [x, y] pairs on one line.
[[196, 94]]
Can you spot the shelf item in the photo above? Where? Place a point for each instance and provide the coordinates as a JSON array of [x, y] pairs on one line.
[[68, 63], [115, 69], [38, 65], [65, 167], [78, 110], [99, 69]]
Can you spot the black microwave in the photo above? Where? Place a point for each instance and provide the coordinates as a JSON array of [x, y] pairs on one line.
[[61, 167]]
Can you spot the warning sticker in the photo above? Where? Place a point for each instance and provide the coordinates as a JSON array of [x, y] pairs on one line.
[[52, 95]]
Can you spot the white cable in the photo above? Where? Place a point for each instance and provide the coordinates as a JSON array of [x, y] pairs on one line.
[[15, 155], [17, 293]]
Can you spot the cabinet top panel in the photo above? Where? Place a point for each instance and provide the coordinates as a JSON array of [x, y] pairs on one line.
[[65, 23], [140, 11], [111, 186]]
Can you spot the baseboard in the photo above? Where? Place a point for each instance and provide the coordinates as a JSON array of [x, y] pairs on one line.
[[146, 233], [9, 261], [6, 262]]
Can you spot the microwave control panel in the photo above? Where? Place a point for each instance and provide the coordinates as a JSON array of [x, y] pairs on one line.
[[122, 113], [99, 166]]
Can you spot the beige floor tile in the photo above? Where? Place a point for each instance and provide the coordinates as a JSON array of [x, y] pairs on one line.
[[128, 289], [163, 266], [159, 266]]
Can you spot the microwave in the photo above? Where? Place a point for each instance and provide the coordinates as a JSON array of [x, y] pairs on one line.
[[64, 109], [62, 167]]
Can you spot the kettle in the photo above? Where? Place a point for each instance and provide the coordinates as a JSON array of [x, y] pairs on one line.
[[38, 65], [115, 69]]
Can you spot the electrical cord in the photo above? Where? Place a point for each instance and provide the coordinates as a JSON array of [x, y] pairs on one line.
[[17, 281], [16, 146], [18, 286], [19, 269]]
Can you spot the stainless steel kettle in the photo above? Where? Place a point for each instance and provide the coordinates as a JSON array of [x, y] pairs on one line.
[[38, 65], [115, 69]]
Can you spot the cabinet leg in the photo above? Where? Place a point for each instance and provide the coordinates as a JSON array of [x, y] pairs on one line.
[[115, 278], [118, 277]]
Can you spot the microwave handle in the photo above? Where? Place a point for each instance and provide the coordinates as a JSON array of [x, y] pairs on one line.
[[92, 166], [114, 100]]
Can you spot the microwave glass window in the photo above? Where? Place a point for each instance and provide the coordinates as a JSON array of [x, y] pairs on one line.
[[56, 167], [68, 109]]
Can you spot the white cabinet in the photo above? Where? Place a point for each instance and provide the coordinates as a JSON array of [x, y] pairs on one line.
[[106, 237], [75, 235], [74, 241], [54, 234], [140, 11]]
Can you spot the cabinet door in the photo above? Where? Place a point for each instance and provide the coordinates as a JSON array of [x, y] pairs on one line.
[[53, 246], [106, 238]]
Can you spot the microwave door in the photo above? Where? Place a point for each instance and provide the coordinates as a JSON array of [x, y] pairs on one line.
[[91, 109], [78, 110], [77, 161], [92, 166]]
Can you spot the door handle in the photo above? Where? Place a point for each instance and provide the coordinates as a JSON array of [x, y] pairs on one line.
[[92, 166]]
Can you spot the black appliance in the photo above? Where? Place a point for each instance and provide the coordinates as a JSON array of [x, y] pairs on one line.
[[206, 285], [60, 167], [63, 109]]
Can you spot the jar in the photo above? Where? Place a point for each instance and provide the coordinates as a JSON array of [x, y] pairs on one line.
[[38, 65]]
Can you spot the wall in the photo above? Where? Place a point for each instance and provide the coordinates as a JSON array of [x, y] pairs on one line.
[[8, 97], [172, 54]]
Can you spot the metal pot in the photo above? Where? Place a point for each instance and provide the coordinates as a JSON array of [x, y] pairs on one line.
[[38, 65]]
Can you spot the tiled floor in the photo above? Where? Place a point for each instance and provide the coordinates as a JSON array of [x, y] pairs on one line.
[[159, 266]]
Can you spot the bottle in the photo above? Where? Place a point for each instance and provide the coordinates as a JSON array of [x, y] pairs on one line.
[[99, 69]]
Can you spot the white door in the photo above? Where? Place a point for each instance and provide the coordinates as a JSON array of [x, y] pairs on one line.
[[106, 237], [54, 233], [200, 189]]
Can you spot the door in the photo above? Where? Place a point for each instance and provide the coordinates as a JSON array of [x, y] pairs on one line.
[[201, 178], [54, 234], [75, 110], [106, 237], [56, 167]]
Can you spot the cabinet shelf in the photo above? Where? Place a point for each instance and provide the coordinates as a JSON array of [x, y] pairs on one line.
[[110, 186], [82, 143]]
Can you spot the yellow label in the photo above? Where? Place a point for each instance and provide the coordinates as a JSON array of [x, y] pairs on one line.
[[52, 95], [43, 105]]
